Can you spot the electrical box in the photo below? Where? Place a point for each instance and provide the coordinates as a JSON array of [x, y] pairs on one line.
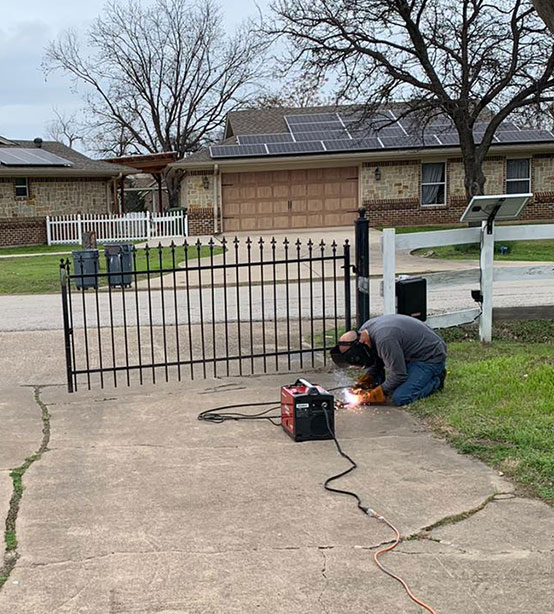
[[411, 297]]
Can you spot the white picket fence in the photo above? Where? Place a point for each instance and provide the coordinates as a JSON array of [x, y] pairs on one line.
[[128, 227]]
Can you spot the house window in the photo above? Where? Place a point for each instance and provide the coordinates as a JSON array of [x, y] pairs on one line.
[[518, 176], [22, 188], [433, 184]]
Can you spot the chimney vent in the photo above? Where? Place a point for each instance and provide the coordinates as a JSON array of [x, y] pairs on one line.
[[38, 142]]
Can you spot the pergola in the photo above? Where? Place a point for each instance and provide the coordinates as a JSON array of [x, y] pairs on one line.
[[153, 164]]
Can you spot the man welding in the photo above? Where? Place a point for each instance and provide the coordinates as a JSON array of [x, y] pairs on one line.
[[404, 359]]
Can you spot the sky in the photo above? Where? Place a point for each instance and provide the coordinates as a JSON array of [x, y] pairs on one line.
[[27, 98]]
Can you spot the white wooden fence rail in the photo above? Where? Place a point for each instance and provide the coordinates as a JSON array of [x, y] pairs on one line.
[[391, 242], [129, 227]]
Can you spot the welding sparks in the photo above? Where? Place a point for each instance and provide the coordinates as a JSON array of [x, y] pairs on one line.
[[351, 399]]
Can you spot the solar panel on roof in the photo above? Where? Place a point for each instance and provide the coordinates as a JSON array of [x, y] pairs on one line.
[[311, 118], [237, 151], [321, 135], [524, 136], [305, 147], [252, 139], [353, 144], [449, 138], [400, 142], [20, 156]]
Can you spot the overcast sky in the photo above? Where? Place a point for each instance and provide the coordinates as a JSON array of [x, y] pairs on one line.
[[26, 27]]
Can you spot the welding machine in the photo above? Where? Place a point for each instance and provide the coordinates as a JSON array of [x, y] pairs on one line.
[[303, 411]]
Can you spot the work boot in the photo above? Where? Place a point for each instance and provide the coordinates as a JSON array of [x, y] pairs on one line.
[[442, 377]]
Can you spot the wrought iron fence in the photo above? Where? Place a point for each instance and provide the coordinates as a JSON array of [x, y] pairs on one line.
[[219, 309]]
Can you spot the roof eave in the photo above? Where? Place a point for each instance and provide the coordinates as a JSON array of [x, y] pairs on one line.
[[15, 171], [362, 156]]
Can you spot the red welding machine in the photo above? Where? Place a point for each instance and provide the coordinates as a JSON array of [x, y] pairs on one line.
[[307, 411]]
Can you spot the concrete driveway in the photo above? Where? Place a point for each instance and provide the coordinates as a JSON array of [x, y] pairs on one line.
[[136, 506]]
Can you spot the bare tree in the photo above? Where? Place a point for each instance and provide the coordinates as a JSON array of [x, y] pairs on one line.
[[159, 77], [304, 90], [469, 60], [545, 8], [65, 128]]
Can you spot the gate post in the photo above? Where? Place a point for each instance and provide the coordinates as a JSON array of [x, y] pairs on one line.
[[361, 226], [67, 332], [347, 296], [486, 264]]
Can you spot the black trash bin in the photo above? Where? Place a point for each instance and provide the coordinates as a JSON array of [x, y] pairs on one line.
[[119, 259], [85, 263]]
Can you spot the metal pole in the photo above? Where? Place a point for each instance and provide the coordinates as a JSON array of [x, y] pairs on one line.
[[361, 226], [347, 297], [389, 264], [486, 264], [64, 266]]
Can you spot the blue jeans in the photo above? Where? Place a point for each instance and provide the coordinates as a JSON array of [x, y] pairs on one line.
[[423, 380]]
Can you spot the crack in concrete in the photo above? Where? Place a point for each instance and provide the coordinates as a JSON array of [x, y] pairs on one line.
[[454, 518], [11, 553], [324, 574]]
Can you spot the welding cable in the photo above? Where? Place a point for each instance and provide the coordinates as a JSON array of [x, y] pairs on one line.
[[214, 415], [372, 513]]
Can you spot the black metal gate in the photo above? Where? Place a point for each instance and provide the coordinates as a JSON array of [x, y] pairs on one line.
[[219, 309]]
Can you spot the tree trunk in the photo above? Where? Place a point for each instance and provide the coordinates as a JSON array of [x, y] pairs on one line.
[[545, 8], [474, 177], [173, 179]]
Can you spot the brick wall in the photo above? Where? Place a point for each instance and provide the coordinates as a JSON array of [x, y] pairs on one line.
[[49, 196], [395, 199], [193, 191], [201, 221], [22, 231]]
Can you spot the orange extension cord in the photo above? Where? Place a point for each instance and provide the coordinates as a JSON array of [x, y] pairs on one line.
[[389, 548]]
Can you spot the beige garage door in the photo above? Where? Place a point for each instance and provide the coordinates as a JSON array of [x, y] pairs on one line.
[[277, 200]]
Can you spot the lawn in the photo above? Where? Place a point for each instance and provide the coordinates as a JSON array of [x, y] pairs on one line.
[[39, 275], [498, 402], [36, 249], [517, 250]]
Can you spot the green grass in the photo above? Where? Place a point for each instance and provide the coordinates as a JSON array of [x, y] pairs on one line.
[[35, 249], [497, 403], [517, 250], [41, 275]]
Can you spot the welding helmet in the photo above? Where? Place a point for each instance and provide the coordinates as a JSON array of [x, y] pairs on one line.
[[357, 354]]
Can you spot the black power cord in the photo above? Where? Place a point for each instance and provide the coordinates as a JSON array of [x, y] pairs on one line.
[[215, 415]]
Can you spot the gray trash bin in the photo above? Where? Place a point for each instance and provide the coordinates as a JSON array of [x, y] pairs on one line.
[[85, 263], [119, 259]]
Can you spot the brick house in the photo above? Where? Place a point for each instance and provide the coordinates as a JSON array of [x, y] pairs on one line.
[[47, 178], [313, 167]]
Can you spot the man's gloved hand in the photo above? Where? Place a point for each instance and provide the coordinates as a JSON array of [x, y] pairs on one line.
[[373, 397], [365, 382]]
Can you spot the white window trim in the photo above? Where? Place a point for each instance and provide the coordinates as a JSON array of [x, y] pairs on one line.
[[28, 194], [529, 179], [445, 183]]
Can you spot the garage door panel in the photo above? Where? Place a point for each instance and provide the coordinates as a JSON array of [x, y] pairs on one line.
[[298, 198], [281, 206], [265, 191], [281, 191], [298, 191], [315, 204]]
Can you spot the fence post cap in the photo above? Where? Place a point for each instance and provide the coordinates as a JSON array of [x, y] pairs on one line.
[[362, 211]]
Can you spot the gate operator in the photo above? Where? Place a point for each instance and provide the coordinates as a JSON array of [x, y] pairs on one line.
[[307, 411]]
